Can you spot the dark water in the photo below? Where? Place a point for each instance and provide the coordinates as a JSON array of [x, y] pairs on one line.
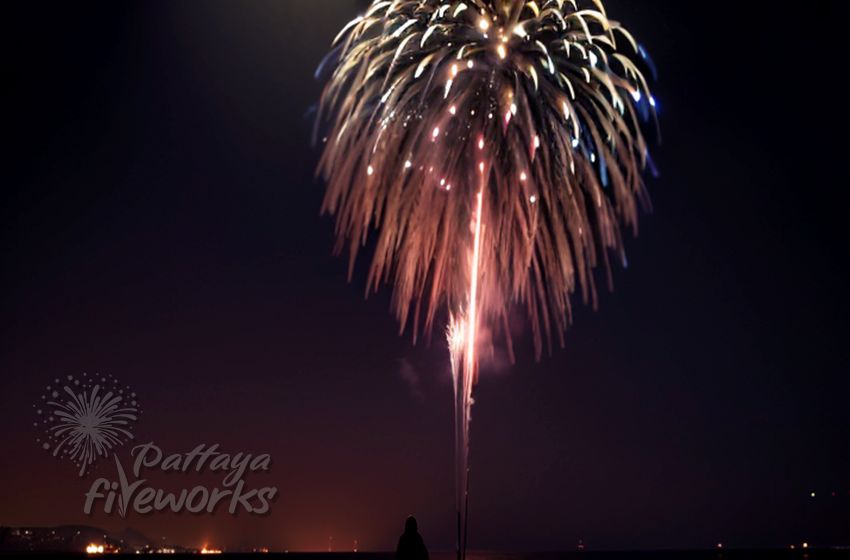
[[786, 554]]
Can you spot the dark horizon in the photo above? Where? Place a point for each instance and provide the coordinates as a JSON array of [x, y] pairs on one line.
[[161, 223], [40, 544]]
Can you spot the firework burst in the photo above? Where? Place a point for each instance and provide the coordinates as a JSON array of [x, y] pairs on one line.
[[87, 418], [545, 99], [492, 151]]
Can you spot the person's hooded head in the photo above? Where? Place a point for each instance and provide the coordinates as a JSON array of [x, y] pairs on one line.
[[410, 526]]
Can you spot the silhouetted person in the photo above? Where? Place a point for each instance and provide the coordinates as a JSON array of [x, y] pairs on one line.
[[410, 544]]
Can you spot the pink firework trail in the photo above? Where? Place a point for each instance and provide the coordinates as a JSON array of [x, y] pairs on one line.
[[462, 338]]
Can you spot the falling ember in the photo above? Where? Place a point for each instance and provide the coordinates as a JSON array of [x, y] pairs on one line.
[[558, 91]]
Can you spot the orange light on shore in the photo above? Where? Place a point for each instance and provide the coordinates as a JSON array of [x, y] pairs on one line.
[[206, 550], [94, 549]]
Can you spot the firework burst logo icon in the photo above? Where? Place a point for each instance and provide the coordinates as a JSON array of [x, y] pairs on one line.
[[85, 418]]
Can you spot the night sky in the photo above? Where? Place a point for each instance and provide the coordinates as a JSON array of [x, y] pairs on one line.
[[160, 223]]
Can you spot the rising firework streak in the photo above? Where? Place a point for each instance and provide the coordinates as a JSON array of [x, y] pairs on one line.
[[496, 149]]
